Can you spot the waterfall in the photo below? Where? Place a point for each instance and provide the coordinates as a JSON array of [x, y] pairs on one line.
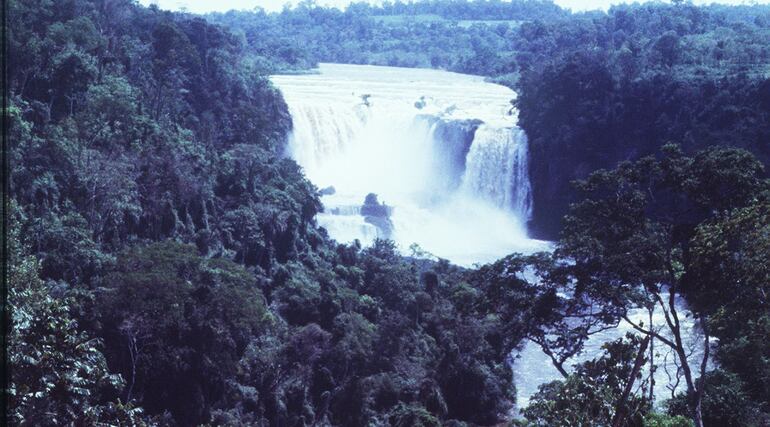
[[322, 130], [349, 228], [441, 150], [497, 170]]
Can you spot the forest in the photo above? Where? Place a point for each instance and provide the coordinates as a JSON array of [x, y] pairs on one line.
[[166, 267]]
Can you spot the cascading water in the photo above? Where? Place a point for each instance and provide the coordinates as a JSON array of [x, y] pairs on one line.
[[322, 132], [443, 151], [496, 169]]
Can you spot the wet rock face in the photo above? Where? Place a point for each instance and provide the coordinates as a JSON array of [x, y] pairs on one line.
[[377, 214], [383, 224], [551, 176], [372, 207]]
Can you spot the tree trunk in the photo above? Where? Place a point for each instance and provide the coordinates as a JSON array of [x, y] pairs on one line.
[[697, 416], [27, 76], [698, 401], [693, 392], [620, 411], [652, 363], [132, 351]]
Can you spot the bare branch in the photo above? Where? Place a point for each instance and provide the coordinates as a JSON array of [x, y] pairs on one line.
[[650, 332]]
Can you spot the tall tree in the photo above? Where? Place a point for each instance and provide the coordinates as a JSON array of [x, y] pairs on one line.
[[630, 250]]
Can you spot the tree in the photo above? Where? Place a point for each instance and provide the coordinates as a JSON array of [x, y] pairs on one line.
[[176, 324], [630, 252], [729, 276], [597, 393], [58, 374], [725, 403]]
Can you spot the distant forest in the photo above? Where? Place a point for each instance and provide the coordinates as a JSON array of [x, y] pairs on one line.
[[166, 267]]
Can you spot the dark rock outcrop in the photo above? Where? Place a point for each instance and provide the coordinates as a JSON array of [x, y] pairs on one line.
[[377, 214], [327, 191]]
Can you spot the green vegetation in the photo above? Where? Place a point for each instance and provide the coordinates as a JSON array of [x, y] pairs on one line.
[[624, 248], [59, 374], [166, 267], [175, 250], [455, 35], [631, 250], [593, 394], [599, 89]]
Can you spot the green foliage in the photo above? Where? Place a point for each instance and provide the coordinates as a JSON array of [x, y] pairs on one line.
[[132, 125], [730, 276], [654, 419], [631, 248], [570, 402], [471, 37], [404, 416], [141, 138], [590, 395], [597, 89], [725, 403], [618, 227], [177, 324], [58, 374], [364, 342]]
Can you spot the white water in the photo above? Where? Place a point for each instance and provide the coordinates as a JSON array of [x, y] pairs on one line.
[[467, 201], [458, 194], [532, 367], [496, 166]]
